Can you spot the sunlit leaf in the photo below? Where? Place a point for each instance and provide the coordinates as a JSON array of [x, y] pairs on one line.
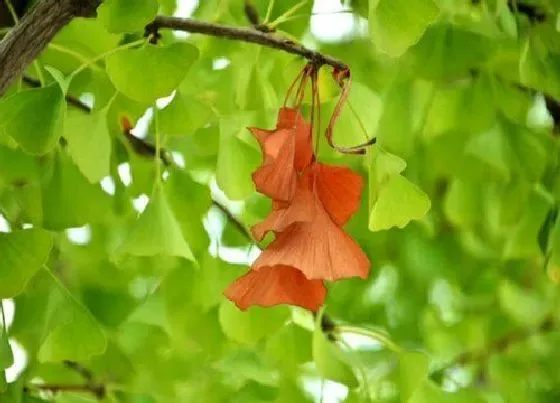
[[89, 143], [156, 232], [250, 326], [400, 201], [23, 253], [413, 369], [236, 159], [396, 25], [73, 332], [34, 118], [163, 69], [126, 16]]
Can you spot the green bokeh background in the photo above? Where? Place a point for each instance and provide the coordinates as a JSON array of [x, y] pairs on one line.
[[459, 215]]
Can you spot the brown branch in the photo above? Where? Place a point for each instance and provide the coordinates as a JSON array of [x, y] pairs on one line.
[[497, 346], [245, 35], [97, 390], [80, 369], [28, 38], [234, 221]]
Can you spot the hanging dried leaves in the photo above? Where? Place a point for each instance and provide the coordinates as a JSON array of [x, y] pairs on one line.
[[311, 203]]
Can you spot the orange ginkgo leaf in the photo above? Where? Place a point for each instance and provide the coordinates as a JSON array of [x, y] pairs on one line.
[[284, 214], [277, 177], [276, 285], [339, 189], [290, 118], [319, 248]]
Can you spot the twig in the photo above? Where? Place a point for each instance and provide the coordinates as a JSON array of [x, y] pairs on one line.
[[80, 369], [497, 346], [97, 390], [245, 35], [234, 220]]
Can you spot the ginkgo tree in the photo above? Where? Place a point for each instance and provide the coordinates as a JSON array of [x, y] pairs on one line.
[[229, 207]]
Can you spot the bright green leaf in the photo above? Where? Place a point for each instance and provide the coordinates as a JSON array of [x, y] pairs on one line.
[[127, 15], [290, 347], [6, 356], [396, 25], [492, 148], [89, 143], [236, 159], [524, 306], [183, 116], [69, 200], [75, 334], [150, 72], [400, 201], [413, 370], [252, 325], [156, 232], [23, 253], [34, 118]]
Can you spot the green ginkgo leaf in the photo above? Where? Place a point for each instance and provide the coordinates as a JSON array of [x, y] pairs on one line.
[[413, 370], [396, 25], [400, 201], [89, 143], [23, 253], [127, 15], [290, 347], [236, 159], [6, 356], [69, 200], [250, 326], [329, 359], [34, 118], [523, 305], [183, 116], [150, 72], [74, 333], [156, 232], [492, 148]]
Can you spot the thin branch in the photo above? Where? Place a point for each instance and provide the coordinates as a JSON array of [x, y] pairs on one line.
[[234, 221], [80, 369], [497, 346], [97, 390], [245, 35]]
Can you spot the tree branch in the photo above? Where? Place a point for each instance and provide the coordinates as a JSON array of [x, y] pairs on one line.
[[28, 38], [245, 35], [97, 390], [497, 346]]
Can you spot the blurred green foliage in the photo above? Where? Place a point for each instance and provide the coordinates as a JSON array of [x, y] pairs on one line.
[[121, 303]]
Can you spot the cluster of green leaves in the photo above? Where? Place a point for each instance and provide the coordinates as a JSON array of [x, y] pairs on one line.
[[458, 218]]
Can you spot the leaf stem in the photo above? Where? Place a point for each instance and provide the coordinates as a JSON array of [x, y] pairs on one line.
[[104, 55], [4, 325], [360, 123], [158, 145], [286, 16], [372, 334], [73, 53], [268, 11]]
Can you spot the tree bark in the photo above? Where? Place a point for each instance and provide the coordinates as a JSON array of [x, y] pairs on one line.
[[35, 30]]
